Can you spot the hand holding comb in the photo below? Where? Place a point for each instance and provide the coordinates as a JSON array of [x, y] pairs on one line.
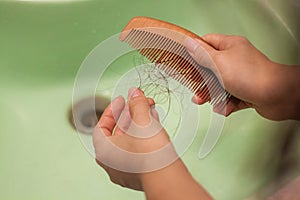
[[162, 43]]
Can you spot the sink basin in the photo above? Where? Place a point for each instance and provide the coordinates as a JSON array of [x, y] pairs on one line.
[[42, 45]]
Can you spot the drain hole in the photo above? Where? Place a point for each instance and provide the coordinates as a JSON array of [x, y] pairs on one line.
[[84, 117], [88, 120]]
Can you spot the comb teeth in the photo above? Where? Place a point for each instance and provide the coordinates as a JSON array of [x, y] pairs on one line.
[[173, 58]]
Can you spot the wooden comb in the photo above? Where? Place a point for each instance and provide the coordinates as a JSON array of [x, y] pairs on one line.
[[162, 43]]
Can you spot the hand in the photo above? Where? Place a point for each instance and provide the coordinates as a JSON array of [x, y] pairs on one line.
[[254, 81], [114, 124], [118, 148]]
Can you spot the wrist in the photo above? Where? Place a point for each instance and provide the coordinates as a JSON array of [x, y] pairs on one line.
[[172, 182], [293, 94], [287, 84]]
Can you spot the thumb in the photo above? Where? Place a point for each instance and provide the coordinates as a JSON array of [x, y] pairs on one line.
[[202, 53], [218, 41], [139, 107]]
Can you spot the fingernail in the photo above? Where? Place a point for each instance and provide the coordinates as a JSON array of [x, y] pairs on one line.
[[194, 100], [135, 92], [117, 99], [191, 44], [198, 100], [117, 103]]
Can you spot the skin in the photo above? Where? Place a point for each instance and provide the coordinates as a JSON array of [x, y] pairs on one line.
[[254, 81], [171, 182]]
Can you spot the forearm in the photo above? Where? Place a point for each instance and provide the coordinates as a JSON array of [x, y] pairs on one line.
[[173, 182], [295, 83], [289, 82]]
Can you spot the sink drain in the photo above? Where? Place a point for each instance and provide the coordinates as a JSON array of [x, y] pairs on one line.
[[83, 116]]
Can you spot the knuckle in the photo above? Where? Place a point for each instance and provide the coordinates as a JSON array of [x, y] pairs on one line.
[[243, 39], [137, 102], [207, 36], [138, 99], [113, 180], [219, 59]]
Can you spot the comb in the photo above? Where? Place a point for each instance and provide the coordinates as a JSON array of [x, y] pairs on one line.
[[162, 43]]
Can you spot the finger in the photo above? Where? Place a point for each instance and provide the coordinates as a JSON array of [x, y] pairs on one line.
[[234, 104], [198, 100], [216, 40], [124, 121], [202, 95], [139, 107], [192, 44], [125, 118], [110, 115], [102, 165], [150, 101], [202, 53], [154, 113], [226, 108]]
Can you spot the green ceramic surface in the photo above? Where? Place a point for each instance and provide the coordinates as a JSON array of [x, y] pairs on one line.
[[42, 45]]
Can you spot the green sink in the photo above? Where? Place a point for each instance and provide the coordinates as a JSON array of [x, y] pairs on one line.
[[42, 46]]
